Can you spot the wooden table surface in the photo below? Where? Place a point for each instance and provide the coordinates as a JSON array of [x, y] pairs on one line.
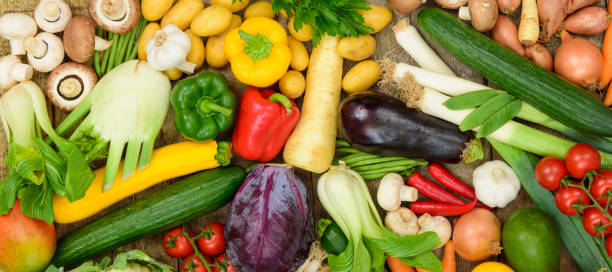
[[386, 48]]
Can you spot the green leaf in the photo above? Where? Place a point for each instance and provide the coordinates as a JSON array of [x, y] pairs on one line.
[[78, 175], [482, 113], [55, 166], [37, 202], [351, 261], [257, 47], [53, 268], [322, 225], [408, 245], [87, 267], [27, 162], [499, 118], [8, 191], [138, 257], [470, 99], [425, 260]]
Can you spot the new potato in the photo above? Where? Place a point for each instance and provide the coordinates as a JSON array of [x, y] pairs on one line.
[[356, 48], [212, 20], [237, 5], [260, 9], [377, 17], [292, 84], [147, 33], [303, 35], [299, 54], [182, 13], [361, 77], [214, 45]]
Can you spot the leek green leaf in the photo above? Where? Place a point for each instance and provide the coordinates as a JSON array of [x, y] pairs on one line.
[[8, 191], [426, 260], [498, 119], [470, 99], [37, 202], [27, 162], [482, 113]]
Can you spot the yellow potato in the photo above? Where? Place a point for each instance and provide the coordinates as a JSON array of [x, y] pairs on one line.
[[197, 53], [303, 35], [154, 10], [377, 17], [260, 9], [214, 46], [147, 33], [292, 84], [182, 13], [361, 77], [236, 6], [173, 74], [212, 20], [356, 48], [299, 54]]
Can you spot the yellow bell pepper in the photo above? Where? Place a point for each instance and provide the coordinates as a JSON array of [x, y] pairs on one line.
[[258, 51]]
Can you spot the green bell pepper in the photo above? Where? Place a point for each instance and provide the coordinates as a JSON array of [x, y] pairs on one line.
[[203, 106]]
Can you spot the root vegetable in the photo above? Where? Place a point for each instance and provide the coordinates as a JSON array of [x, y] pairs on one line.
[[402, 221], [357, 48], [361, 77], [529, 28], [483, 14], [406, 6], [539, 55], [551, 15], [377, 17], [451, 4], [579, 61], [449, 262], [573, 5], [587, 21], [211, 21], [508, 6], [438, 224], [477, 235], [299, 54], [505, 33], [292, 84]]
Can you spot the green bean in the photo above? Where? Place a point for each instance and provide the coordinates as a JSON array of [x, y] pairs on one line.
[[123, 39], [347, 150], [134, 51], [383, 165], [99, 33], [378, 161], [113, 50], [357, 157], [107, 54], [130, 41], [342, 143], [384, 170], [372, 176]]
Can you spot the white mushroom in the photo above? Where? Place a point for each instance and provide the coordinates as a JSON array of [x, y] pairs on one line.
[[392, 191], [438, 224], [12, 71], [495, 183], [69, 84], [117, 16], [402, 221], [80, 39], [16, 27], [52, 15], [45, 51]]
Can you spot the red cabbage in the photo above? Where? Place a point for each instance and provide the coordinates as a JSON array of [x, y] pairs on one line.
[[269, 227]]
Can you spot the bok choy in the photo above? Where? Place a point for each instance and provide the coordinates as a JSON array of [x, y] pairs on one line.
[[345, 196], [127, 106], [36, 170]]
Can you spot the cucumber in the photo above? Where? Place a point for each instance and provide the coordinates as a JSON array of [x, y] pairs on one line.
[[557, 97], [172, 206]]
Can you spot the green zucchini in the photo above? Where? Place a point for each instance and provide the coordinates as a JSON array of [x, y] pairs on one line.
[[557, 97], [172, 206]]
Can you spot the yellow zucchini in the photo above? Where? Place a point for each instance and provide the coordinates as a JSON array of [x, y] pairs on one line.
[[183, 13]]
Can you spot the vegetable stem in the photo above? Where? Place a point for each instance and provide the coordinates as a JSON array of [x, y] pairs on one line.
[[131, 158], [112, 163]]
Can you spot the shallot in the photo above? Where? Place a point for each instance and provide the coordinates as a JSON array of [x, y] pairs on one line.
[[551, 15], [539, 55], [587, 21], [573, 5], [505, 33], [579, 61], [508, 6], [477, 235]]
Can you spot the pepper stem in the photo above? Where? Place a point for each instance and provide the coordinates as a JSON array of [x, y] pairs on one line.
[[281, 98], [224, 153], [207, 106]]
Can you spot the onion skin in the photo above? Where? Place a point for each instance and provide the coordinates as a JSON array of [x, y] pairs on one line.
[[405, 6], [540, 56], [508, 6], [573, 5], [477, 235], [551, 15], [587, 21], [505, 33], [579, 61]]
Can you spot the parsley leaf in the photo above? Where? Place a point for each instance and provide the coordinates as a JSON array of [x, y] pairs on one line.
[[257, 46]]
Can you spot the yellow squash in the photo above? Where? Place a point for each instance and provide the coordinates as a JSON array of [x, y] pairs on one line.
[[167, 162]]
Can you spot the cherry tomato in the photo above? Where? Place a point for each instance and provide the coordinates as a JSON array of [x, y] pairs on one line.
[[191, 265], [592, 219], [567, 196], [601, 185], [609, 245], [549, 171], [214, 241], [224, 264], [177, 247], [582, 158]]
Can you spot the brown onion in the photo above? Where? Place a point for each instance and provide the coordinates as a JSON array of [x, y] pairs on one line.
[[587, 21], [540, 56], [551, 15], [508, 6], [505, 33], [477, 235], [579, 61]]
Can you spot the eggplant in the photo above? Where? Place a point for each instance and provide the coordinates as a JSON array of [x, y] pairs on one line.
[[383, 125]]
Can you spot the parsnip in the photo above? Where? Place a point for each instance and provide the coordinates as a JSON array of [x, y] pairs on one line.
[[529, 28], [312, 143]]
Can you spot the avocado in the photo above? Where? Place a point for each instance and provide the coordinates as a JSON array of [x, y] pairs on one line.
[[531, 241]]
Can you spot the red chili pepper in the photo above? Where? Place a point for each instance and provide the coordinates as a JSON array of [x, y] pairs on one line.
[[443, 209], [431, 190], [451, 182], [265, 120]]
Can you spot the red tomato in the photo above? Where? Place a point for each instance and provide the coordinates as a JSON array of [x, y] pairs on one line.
[[191, 265], [567, 196], [549, 171], [177, 247], [601, 185], [609, 245], [224, 264], [592, 219], [582, 158], [214, 241]]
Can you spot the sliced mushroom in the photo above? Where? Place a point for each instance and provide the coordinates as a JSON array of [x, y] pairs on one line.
[[52, 15], [69, 84], [45, 51], [12, 71], [117, 16], [80, 39], [16, 27]]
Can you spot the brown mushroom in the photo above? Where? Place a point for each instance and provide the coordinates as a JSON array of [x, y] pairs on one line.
[[80, 39], [117, 16], [69, 84]]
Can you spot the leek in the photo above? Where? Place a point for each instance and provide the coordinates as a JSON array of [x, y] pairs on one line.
[[345, 196], [127, 106]]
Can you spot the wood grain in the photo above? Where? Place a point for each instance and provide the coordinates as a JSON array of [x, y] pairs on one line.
[[386, 48]]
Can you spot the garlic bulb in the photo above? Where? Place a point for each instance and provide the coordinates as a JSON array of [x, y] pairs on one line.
[[495, 183], [168, 49]]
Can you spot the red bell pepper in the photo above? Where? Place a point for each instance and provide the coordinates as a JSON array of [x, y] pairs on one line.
[[265, 120]]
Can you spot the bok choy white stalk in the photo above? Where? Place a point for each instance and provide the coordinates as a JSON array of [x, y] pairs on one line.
[[127, 106], [345, 196]]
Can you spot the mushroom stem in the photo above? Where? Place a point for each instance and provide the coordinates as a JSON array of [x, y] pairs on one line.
[[408, 193], [101, 44], [114, 9], [21, 72], [70, 87], [187, 67], [17, 47], [36, 47], [51, 11]]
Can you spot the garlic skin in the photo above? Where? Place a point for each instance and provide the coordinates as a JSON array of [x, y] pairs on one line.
[[168, 49], [402, 221], [438, 224], [495, 183]]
